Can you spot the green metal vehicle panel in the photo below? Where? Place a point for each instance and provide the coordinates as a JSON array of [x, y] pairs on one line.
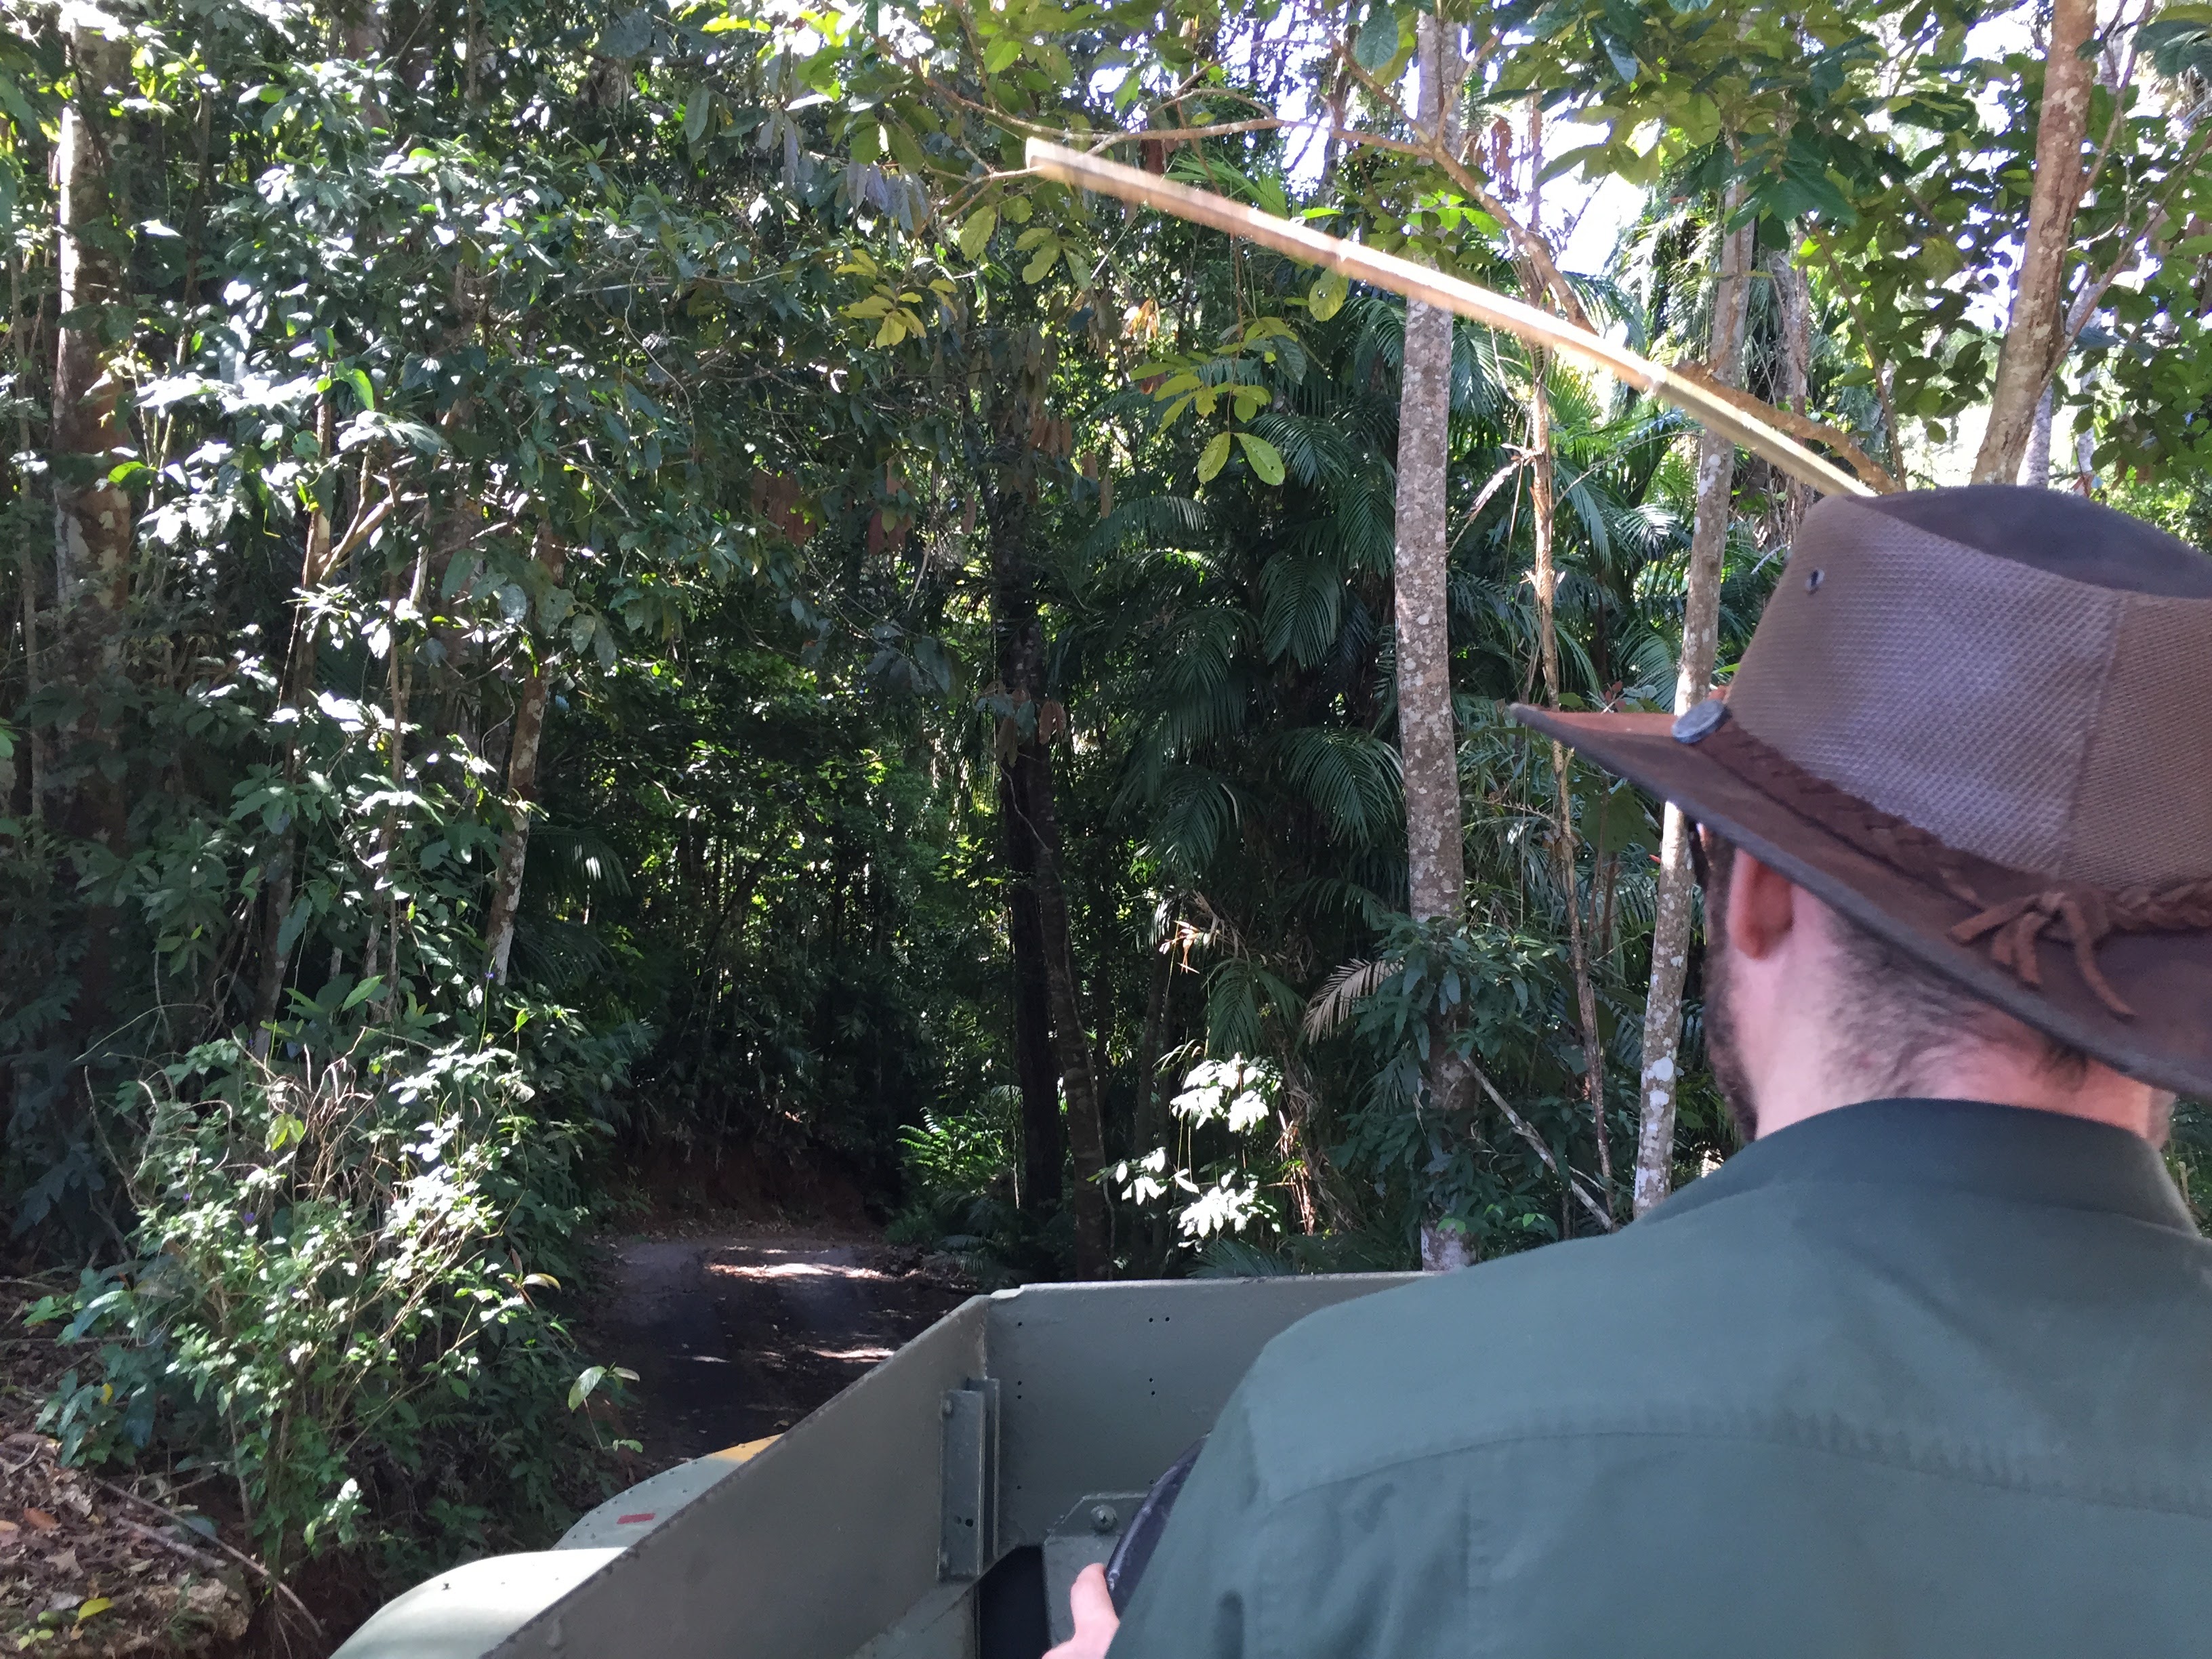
[[1035, 1417]]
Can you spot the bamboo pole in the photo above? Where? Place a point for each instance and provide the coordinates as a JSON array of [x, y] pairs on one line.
[[1482, 305]]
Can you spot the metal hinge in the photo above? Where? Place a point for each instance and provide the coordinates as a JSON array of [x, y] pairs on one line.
[[968, 1539]]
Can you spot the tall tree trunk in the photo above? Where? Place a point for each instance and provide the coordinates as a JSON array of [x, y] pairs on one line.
[[2034, 335], [1794, 291], [1033, 832], [19, 330], [1044, 1137], [91, 516], [1427, 735], [521, 785], [1145, 1122], [1544, 505], [1087, 1141], [1661, 1082]]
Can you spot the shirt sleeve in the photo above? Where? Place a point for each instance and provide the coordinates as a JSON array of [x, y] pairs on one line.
[[1200, 1592]]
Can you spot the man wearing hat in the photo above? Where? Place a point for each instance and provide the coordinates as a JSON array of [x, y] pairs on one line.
[[1926, 1369]]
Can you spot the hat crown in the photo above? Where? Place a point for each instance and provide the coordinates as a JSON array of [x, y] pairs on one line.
[[2027, 677]]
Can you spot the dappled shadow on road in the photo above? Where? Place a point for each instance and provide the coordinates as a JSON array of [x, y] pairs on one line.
[[738, 1336]]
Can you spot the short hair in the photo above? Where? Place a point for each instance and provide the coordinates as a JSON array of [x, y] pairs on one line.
[[1898, 1010]]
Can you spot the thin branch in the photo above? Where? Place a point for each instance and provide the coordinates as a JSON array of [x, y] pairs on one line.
[[244, 1560], [1522, 1128], [2085, 305]]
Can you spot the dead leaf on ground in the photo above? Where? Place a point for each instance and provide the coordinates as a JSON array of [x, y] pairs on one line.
[[40, 1520]]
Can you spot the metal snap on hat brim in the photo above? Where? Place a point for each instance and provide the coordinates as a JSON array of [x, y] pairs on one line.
[[1699, 722]]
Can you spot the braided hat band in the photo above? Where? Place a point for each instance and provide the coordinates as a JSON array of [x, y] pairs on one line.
[[2077, 913]]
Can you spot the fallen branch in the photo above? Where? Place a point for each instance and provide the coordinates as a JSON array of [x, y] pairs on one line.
[[155, 1535], [276, 1585], [1756, 431], [1802, 428], [1533, 249]]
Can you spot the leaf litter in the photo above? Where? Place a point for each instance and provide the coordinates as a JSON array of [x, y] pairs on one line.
[[83, 1573]]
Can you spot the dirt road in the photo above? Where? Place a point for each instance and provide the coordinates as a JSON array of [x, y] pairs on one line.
[[738, 1336]]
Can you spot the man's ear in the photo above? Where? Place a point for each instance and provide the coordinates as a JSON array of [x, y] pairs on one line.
[[1762, 907]]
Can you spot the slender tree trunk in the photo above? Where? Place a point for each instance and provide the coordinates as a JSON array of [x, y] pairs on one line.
[[1794, 290], [1661, 1082], [1145, 1117], [34, 746], [2035, 471], [2034, 336], [1020, 652], [91, 516], [299, 678], [1086, 1141], [1543, 508], [521, 786], [1427, 735], [1032, 828], [1044, 1137]]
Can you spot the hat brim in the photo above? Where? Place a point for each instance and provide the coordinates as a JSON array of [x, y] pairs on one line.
[[2166, 978]]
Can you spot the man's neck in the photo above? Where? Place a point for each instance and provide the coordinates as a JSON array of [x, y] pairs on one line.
[[2002, 1075]]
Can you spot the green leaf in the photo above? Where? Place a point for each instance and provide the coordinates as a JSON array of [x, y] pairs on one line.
[[1266, 461], [975, 234], [1326, 298], [696, 108], [1378, 40], [363, 991], [1214, 458], [587, 1380], [1003, 51]]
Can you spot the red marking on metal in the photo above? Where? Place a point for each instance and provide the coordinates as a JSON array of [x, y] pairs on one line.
[[633, 1520]]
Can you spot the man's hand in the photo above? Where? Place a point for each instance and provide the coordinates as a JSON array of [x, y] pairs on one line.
[[1096, 1621]]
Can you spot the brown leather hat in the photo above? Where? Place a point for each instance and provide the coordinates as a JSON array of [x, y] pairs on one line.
[[1978, 722]]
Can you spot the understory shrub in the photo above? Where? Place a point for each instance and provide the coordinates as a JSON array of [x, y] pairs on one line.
[[959, 1171], [337, 1300]]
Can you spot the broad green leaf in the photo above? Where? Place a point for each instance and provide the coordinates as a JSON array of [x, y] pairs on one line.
[[905, 149], [1003, 51], [363, 991], [1377, 42], [1213, 457], [1266, 461], [1326, 298], [586, 1380]]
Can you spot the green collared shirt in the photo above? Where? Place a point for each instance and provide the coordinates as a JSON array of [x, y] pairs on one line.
[[1916, 1376]]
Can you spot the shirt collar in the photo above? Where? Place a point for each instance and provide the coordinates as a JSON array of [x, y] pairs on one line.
[[1966, 1145]]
